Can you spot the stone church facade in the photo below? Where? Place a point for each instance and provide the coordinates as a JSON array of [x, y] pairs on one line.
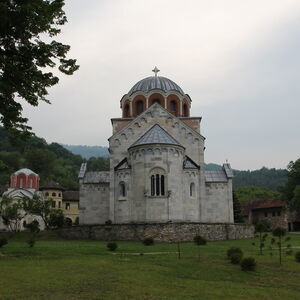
[[157, 172]]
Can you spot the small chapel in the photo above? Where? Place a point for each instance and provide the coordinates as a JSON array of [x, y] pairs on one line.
[[157, 172]]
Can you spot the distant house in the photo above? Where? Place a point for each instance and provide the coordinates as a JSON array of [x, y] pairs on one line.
[[67, 201], [272, 210]]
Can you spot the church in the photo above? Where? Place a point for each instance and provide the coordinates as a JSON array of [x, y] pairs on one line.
[[157, 172]]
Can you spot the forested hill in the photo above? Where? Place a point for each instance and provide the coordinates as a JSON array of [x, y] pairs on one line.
[[87, 151]]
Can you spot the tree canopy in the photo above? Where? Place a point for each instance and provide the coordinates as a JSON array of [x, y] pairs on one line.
[[27, 49]]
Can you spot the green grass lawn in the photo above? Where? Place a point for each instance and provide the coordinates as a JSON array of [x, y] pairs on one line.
[[60, 269]]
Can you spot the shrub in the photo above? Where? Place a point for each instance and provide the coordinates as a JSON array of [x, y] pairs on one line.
[[236, 258], [112, 246], [199, 240], [3, 242], [148, 241], [248, 264], [31, 243], [297, 256], [234, 250]]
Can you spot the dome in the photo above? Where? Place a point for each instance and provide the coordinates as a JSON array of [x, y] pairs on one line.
[[25, 171], [155, 82]]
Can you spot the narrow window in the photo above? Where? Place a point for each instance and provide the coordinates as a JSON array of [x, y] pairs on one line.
[[126, 110], [67, 206], [59, 204], [139, 106], [185, 110], [157, 185], [53, 204], [53, 194], [122, 189], [192, 189], [162, 184], [152, 185], [173, 106]]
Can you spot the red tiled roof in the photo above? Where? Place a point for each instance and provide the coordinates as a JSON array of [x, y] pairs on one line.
[[261, 204]]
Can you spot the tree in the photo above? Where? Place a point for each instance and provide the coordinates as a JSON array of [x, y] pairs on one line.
[[11, 213], [27, 47], [261, 227], [199, 241], [39, 207], [237, 212], [279, 233], [291, 191]]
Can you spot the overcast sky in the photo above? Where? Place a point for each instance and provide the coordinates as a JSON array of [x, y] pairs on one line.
[[238, 60]]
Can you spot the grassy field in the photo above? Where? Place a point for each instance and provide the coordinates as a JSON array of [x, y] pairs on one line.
[[59, 269]]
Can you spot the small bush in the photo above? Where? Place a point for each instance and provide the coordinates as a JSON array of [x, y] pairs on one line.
[[248, 264], [236, 258], [148, 241], [3, 242], [31, 243], [112, 246], [297, 256], [199, 240], [234, 250]]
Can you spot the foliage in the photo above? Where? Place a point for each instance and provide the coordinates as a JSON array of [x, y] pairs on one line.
[[247, 194], [234, 250], [112, 246], [11, 213], [293, 180], [31, 242], [199, 240], [248, 264], [33, 227], [51, 161], [237, 212], [98, 164], [279, 233], [271, 179], [39, 207], [56, 218], [3, 242], [148, 241], [236, 258], [261, 227], [297, 256], [294, 203], [27, 48]]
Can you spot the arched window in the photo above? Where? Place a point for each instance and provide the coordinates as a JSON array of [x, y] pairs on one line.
[[139, 106], [157, 183], [173, 106], [53, 194], [122, 189], [192, 189], [185, 110], [126, 110], [156, 101]]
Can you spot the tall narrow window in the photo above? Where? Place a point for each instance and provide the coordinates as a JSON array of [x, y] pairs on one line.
[[192, 189], [185, 110], [126, 110], [122, 189], [162, 184], [139, 106], [152, 185], [157, 185], [173, 106]]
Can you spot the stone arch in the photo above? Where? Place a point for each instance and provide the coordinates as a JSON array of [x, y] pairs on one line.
[[138, 105], [185, 108], [156, 97], [126, 109], [173, 105]]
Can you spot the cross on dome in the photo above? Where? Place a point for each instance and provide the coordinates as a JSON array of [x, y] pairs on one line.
[[155, 70]]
